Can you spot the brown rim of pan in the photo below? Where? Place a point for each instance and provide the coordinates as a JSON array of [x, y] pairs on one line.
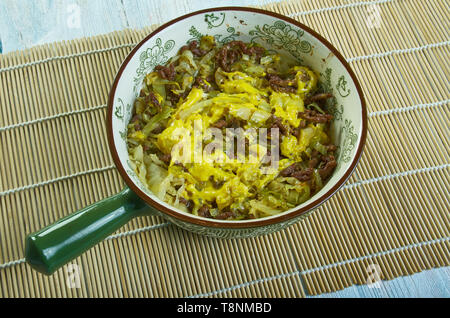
[[235, 224]]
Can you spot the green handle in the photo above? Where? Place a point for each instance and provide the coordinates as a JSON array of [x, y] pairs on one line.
[[52, 247]]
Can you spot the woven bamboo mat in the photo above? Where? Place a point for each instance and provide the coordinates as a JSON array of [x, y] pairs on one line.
[[393, 212]]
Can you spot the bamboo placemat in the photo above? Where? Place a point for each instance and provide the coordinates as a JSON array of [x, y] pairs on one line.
[[392, 212]]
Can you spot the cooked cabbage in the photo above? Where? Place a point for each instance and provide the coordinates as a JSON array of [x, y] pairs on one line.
[[234, 90]]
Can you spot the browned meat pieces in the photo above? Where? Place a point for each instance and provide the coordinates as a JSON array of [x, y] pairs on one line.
[[182, 166], [295, 170], [315, 117], [318, 98], [331, 148], [200, 82], [171, 96], [221, 123], [225, 215], [281, 85], [232, 52], [153, 100], [296, 131], [256, 51], [166, 72], [276, 122], [326, 165], [189, 204], [216, 184], [183, 200], [286, 172], [315, 159], [329, 164], [304, 77], [164, 157], [303, 175], [313, 162], [159, 129], [204, 212], [194, 48], [136, 118], [226, 56]]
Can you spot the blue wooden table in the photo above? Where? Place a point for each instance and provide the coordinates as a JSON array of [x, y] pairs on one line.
[[26, 23]]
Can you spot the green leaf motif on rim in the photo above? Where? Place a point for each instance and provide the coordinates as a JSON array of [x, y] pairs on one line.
[[152, 57], [282, 36], [342, 87], [120, 112], [332, 106], [349, 141], [214, 21], [196, 35], [123, 135], [231, 37]]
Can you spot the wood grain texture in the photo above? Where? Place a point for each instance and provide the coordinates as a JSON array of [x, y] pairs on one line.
[[26, 23]]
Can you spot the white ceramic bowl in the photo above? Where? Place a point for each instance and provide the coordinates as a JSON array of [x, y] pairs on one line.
[[293, 41]]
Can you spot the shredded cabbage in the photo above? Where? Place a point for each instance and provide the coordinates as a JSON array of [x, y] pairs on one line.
[[242, 87]]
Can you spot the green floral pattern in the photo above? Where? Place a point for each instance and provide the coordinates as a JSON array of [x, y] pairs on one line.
[[348, 143], [120, 112], [220, 38], [348, 136], [282, 36], [213, 20], [342, 87], [228, 38], [277, 35], [332, 105], [196, 35], [229, 233], [150, 58]]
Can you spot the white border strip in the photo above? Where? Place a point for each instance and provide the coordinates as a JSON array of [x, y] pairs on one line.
[[80, 111], [39, 184], [344, 6], [148, 228], [351, 185], [137, 231], [357, 58], [43, 119], [12, 263], [111, 237], [408, 108], [308, 271], [131, 45], [68, 56], [399, 51], [395, 175]]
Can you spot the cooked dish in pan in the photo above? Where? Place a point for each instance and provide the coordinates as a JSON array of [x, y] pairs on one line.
[[231, 132]]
